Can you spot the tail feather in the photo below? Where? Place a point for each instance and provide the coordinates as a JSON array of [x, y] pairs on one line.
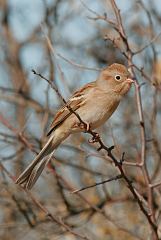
[[29, 176], [36, 172]]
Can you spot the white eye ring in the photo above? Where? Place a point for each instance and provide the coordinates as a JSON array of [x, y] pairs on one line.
[[117, 77]]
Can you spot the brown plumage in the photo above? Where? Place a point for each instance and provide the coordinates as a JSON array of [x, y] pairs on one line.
[[95, 103]]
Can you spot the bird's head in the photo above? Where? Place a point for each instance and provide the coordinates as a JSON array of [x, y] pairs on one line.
[[115, 77]]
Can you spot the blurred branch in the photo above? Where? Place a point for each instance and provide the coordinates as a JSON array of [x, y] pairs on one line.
[[76, 64], [45, 210], [55, 219], [148, 44], [154, 185], [19, 134], [98, 17]]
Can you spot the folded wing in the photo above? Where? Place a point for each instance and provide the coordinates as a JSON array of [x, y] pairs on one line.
[[77, 100]]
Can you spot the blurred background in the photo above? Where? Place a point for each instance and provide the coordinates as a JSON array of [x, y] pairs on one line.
[[83, 38]]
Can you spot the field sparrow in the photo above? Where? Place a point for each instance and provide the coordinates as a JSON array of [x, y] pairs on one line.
[[95, 103]]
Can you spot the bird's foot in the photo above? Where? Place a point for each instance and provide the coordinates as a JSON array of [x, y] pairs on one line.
[[83, 125], [95, 138]]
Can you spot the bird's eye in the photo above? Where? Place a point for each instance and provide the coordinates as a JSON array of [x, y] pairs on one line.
[[118, 77]]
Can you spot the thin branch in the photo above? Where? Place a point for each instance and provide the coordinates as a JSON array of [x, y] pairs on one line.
[[76, 64], [148, 44], [98, 16], [154, 185], [120, 28], [99, 183]]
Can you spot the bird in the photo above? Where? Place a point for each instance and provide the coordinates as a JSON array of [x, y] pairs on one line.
[[94, 103]]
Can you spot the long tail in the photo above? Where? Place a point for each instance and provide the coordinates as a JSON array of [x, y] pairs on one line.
[[30, 175]]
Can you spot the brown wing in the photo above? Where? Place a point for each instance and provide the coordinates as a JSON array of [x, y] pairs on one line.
[[74, 102]]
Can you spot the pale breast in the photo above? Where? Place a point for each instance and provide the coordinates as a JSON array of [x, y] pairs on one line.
[[97, 112]]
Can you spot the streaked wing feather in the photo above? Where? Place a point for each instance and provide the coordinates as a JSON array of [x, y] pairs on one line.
[[60, 117], [74, 102]]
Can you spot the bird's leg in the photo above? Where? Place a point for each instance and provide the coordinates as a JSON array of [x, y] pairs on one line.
[[86, 125]]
